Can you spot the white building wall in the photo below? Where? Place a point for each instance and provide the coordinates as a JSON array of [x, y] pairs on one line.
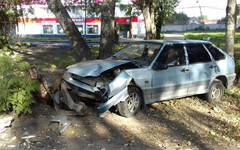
[[29, 28]]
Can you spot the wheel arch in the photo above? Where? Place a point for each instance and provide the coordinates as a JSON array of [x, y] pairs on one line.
[[223, 79], [133, 83]]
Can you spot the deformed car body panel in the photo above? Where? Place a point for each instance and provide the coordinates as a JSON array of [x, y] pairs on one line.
[[69, 79], [119, 83], [95, 67], [122, 95], [117, 91]]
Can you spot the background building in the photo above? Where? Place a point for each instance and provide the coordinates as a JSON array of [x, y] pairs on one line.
[[41, 22]]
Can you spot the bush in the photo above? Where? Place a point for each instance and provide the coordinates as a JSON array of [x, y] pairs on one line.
[[16, 88]]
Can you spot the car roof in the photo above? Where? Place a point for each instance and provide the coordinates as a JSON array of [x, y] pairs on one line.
[[176, 41]]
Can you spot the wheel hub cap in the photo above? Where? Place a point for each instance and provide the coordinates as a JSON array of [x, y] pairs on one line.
[[216, 93], [133, 102]]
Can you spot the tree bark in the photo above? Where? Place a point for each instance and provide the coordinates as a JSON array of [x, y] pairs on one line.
[[230, 26], [74, 36], [159, 27], [148, 14], [107, 29], [160, 19]]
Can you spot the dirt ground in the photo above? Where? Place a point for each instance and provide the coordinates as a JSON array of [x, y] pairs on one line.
[[182, 124]]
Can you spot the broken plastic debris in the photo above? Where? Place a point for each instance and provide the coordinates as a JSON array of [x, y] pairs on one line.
[[28, 137], [101, 116], [62, 120], [5, 122]]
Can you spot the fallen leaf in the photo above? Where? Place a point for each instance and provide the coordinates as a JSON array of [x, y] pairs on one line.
[[213, 133]]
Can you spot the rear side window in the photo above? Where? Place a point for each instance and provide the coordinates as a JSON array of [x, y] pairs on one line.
[[172, 55], [197, 54], [217, 55]]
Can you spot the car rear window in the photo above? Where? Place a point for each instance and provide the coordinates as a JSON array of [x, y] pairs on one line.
[[197, 54], [217, 55]]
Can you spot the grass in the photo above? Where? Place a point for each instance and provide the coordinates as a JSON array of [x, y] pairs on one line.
[[71, 57], [117, 47], [217, 37]]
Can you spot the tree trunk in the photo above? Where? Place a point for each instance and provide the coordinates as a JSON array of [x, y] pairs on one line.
[[107, 29], [130, 28], [159, 28], [230, 26], [153, 26], [160, 18], [74, 36], [148, 14]]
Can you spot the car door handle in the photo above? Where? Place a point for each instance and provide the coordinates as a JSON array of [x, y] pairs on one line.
[[213, 66], [184, 70]]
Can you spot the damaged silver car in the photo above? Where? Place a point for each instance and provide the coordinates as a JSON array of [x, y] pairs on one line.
[[147, 72]]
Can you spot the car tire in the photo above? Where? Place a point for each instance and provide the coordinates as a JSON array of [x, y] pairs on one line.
[[131, 106], [216, 91]]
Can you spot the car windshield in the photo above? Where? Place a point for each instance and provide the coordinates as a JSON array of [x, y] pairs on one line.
[[139, 53]]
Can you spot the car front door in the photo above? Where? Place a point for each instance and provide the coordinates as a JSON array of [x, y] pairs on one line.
[[170, 73], [201, 69]]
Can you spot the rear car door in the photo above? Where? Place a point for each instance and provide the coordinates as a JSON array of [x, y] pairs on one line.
[[201, 68], [173, 80]]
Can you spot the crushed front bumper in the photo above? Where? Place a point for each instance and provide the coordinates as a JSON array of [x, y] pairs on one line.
[[117, 91]]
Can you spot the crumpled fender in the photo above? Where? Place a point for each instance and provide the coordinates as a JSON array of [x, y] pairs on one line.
[[117, 91], [119, 83]]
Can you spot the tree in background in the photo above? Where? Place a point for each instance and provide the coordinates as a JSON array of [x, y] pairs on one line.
[[147, 8], [178, 18], [163, 9], [74, 36], [107, 29], [202, 18], [231, 12], [155, 12], [222, 20], [106, 10], [9, 17]]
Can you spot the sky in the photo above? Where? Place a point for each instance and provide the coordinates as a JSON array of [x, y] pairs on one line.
[[214, 9]]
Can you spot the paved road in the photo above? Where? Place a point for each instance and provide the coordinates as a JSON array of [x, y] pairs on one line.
[[65, 43]]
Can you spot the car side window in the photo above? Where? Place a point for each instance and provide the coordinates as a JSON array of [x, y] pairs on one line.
[[197, 54], [172, 55], [217, 55]]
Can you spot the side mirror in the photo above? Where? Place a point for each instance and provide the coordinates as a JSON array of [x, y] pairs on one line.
[[157, 66]]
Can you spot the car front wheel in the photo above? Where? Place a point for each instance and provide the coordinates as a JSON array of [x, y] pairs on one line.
[[132, 103], [216, 91]]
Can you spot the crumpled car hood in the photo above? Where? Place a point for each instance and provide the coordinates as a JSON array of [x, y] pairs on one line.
[[95, 67]]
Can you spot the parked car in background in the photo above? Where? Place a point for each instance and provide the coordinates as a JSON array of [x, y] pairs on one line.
[[151, 71]]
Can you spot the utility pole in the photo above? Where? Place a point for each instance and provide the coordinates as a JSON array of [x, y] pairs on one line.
[[85, 23], [200, 8]]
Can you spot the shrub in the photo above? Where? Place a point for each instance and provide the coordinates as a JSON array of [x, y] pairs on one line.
[[16, 88]]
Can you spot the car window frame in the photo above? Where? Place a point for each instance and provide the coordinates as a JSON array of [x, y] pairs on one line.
[[204, 47], [171, 44], [217, 48], [161, 45]]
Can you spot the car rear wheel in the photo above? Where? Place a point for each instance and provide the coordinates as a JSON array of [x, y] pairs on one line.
[[216, 91], [131, 106]]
